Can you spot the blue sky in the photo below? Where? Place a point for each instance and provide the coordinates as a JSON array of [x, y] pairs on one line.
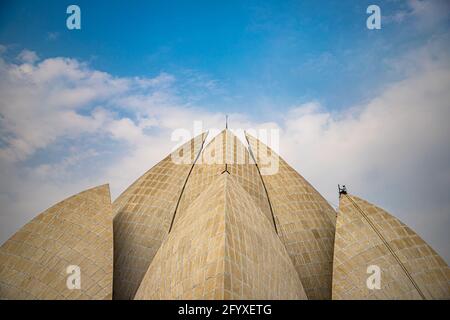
[[365, 108], [257, 54]]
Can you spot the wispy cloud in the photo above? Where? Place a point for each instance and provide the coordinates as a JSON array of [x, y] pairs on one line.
[[51, 36], [426, 14]]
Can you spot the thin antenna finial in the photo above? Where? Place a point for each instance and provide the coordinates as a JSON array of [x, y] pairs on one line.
[[226, 121]]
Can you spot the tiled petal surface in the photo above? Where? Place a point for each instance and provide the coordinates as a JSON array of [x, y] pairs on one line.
[[143, 214], [77, 231], [222, 248], [305, 220], [367, 235]]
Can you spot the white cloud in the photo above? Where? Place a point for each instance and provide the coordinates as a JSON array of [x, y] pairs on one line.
[[27, 56], [41, 102], [3, 48], [394, 150]]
